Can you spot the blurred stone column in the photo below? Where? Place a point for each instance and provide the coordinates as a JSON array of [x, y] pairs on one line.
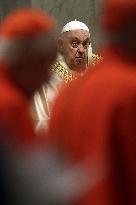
[[100, 39]]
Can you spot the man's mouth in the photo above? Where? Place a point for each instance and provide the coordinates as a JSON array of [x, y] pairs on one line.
[[79, 59]]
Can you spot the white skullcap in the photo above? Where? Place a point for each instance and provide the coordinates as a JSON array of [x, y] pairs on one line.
[[73, 25]]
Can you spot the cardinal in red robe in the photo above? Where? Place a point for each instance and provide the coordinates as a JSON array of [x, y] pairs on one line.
[[27, 48]]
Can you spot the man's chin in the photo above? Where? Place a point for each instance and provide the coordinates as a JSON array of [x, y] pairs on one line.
[[79, 67]]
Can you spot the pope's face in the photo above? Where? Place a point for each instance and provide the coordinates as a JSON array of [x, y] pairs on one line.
[[74, 48]]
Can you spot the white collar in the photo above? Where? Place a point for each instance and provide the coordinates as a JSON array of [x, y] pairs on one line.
[[62, 61]]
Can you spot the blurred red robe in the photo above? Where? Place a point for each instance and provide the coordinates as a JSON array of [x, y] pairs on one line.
[[15, 120], [95, 118]]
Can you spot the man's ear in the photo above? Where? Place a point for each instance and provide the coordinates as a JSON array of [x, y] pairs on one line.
[[60, 45]]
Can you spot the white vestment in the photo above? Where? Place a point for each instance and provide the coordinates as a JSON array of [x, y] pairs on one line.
[[44, 99]]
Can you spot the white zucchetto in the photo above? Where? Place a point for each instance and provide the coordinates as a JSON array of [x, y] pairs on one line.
[[73, 25]]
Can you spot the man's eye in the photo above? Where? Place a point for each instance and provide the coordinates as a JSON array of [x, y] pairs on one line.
[[86, 45], [74, 44]]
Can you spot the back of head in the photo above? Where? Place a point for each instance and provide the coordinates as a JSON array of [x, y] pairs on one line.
[[118, 22], [23, 25], [26, 40], [119, 15]]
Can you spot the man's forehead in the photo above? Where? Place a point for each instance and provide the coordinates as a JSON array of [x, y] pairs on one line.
[[78, 33]]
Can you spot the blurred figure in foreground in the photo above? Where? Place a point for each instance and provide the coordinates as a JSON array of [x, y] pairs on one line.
[[95, 116], [27, 48], [30, 173]]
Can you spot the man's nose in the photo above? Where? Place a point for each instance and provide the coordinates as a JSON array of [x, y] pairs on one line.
[[81, 49]]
